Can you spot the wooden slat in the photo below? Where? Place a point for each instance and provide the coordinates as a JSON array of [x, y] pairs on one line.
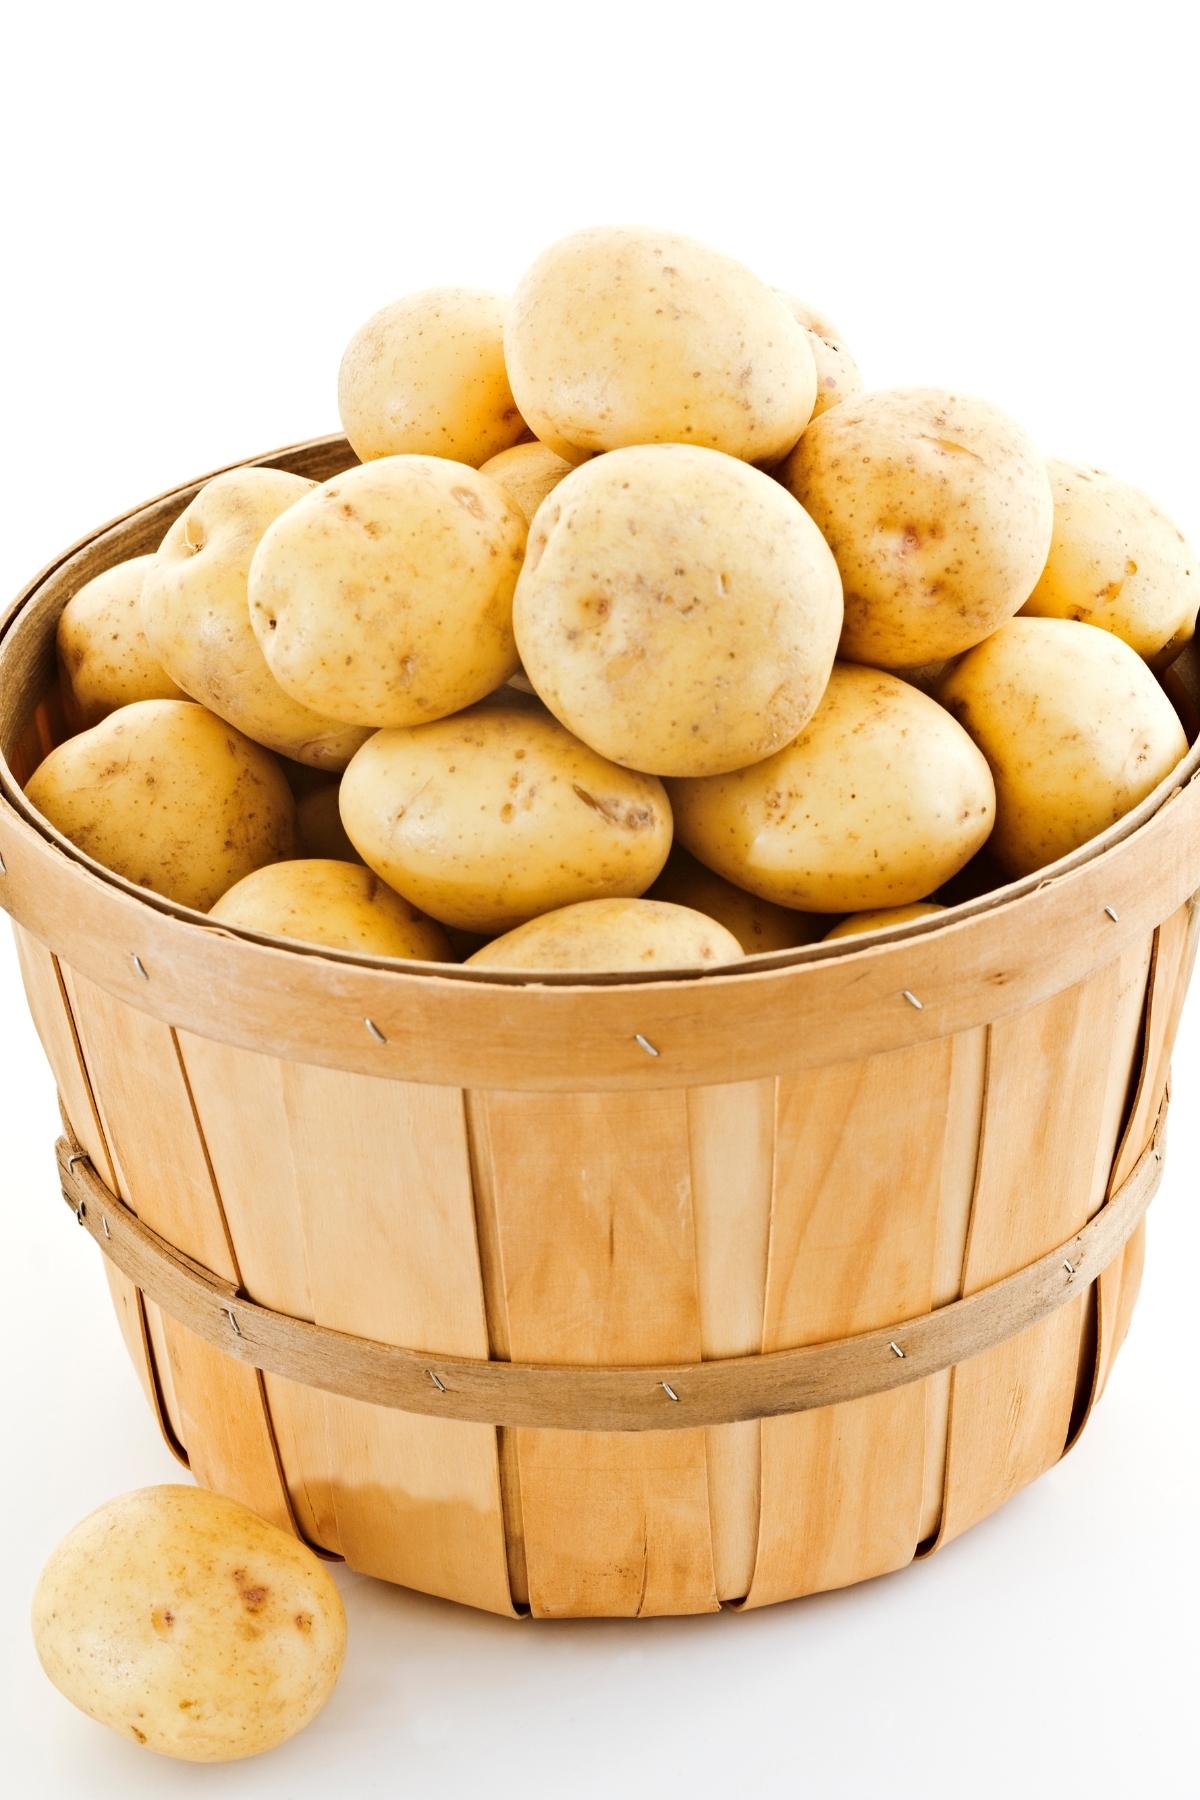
[[597, 1251], [373, 1179], [859, 1151], [732, 1144], [161, 1170], [1056, 1082]]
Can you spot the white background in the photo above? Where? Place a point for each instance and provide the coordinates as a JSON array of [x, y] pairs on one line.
[[200, 205]]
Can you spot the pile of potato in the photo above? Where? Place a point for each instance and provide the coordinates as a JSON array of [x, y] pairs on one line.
[[643, 636]]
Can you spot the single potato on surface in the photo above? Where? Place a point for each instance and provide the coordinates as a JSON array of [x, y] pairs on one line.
[[858, 923], [489, 818], [677, 610], [384, 597], [938, 509], [627, 335], [1076, 730], [425, 376], [104, 658], [757, 925], [341, 904], [1117, 561], [527, 473], [880, 799], [612, 935], [171, 797], [196, 613], [837, 371], [186, 1623]]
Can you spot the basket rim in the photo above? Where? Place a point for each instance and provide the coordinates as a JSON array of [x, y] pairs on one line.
[[995, 901]]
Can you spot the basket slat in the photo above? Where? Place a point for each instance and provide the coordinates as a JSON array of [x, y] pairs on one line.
[[842, 1487], [373, 1178], [597, 1246], [1048, 1094], [150, 1128]]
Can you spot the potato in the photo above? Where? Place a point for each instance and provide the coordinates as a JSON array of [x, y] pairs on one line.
[[196, 613], [341, 904], [757, 925], [837, 371], [527, 473], [425, 376], [677, 610], [384, 597], [627, 335], [319, 829], [609, 935], [103, 657], [186, 1623], [877, 802], [1118, 562], [169, 796], [1076, 730], [489, 818], [939, 511], [858, 923]]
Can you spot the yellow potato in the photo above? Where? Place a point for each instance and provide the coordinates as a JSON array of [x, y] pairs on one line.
[[607, 935], [169, 796], [527, 473], [489, 818], [1076, 730], [186, 1623], [196, 613], [319, 829], [341, 904], [757, 925], [628, 335], [878, 801], [938, 510], [1117, 561], [858, 923], [426, 376], [677, 610], [384, 597], [103, 656], [837, 371]]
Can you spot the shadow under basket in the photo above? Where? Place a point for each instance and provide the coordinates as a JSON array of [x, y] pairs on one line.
[[639, 1296]]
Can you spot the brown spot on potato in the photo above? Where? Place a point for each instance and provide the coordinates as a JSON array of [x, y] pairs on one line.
[[303, 1622], [470, 502], [139, 1735]]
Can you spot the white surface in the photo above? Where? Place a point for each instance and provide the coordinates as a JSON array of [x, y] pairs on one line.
[[201, 205]]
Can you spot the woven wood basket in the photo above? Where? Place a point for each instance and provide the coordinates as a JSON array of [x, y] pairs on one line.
[[637, 1297]]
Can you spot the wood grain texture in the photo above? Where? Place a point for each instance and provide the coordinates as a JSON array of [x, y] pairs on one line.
[[372, 1178], [854, 1233], [162, 1171], [597, 1258]]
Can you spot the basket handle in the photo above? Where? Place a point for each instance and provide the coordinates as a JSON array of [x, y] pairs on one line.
[[593, 1398]]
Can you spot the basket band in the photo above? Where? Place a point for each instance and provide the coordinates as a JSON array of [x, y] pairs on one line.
[[574, 1398]]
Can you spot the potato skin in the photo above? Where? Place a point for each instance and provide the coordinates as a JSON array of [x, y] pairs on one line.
[[169, 796], [677, 610], [859, 923], [186, 1623], [837, 372], [527, 473], [757, 924], [612, 935], [879, 800], [938, 509], [489, 818], [104, 658], [425, 376], [628, 335], [384, 597], [1117, 561], [196, 612], [341, 904], [1075, 727]]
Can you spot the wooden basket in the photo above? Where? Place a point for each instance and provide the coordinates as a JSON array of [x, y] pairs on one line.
[[643, 1296]]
